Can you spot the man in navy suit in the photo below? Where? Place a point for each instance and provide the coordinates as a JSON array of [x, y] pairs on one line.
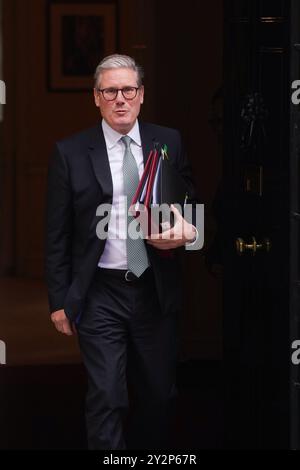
[[126, 318]]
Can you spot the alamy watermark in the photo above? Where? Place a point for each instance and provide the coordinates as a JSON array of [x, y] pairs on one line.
[[2, 92], [295, 98], [145, 222], [295, 358], [2, 352]]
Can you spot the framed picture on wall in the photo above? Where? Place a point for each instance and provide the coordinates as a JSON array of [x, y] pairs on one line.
[[79, 35]]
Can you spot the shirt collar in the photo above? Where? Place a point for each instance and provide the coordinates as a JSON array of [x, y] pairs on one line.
[[135, 134], [112, 137]]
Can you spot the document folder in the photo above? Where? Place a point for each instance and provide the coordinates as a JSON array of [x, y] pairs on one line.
[[160, 186]]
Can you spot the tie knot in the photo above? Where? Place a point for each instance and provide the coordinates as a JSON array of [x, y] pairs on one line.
[[126, 139]]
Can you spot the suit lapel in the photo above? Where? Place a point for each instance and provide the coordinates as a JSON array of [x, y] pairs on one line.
[[100, 162], [148, 138], [99, 157]]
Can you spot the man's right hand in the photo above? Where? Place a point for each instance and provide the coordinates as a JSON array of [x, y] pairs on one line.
[[62, 323]]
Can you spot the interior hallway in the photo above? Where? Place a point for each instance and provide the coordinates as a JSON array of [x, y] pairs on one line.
[[26, 328]]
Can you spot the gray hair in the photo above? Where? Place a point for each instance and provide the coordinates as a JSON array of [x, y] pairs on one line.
[[118, 61]]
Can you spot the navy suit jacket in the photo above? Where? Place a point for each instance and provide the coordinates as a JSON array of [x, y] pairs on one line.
[[79, 180]]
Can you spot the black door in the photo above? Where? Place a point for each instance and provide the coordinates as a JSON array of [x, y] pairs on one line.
[[294, 228], [253, 205]]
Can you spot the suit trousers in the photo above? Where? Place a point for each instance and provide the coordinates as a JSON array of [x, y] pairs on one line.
[[129, 350]]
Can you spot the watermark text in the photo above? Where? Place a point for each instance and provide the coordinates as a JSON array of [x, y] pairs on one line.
[[2, 352], [2, 92], [296, 354], [145, 222]]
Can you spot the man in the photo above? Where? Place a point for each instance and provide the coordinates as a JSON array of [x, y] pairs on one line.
[[123, 295]]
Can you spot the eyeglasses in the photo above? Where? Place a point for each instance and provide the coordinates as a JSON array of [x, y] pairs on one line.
[[110, 94]]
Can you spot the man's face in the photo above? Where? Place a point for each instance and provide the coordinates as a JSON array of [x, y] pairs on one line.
[[121, 113]]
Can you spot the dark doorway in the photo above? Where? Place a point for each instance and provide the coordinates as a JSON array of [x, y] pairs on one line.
[[253, 113], [221, 72], [254, 207]]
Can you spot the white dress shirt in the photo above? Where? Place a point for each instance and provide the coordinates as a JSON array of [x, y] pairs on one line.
[[114, 254]]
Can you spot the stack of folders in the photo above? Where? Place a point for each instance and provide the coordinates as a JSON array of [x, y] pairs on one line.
[[160, 186]]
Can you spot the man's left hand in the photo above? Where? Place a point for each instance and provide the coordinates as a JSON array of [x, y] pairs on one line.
[[181, 233]]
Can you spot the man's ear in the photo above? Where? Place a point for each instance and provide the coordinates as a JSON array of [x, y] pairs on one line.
[[96, 98], [142, 90]]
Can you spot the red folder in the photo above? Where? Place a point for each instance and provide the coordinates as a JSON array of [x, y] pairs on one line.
[[160, 184], [143, 180]]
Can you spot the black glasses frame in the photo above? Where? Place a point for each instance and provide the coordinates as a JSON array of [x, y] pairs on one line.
[[136, 88]]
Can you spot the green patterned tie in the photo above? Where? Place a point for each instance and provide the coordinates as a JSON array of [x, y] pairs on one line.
[[137, 259]]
